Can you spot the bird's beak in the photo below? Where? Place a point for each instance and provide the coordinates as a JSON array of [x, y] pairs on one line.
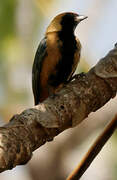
[[81, 18]]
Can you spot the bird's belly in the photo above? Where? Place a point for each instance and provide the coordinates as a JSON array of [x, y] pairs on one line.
[[63, 71]]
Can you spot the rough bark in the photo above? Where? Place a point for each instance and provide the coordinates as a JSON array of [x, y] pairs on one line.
[[32, 128]]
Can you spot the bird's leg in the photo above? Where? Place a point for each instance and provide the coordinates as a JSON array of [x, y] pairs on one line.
[[51, 92]]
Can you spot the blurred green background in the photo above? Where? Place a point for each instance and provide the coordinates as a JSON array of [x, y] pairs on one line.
[[22, 26]]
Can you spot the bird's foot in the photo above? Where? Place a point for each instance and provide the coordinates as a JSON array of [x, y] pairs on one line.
[[53, 96], [77, 76]]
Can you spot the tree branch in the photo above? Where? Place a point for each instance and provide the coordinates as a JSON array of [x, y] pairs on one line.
[[33, 127]]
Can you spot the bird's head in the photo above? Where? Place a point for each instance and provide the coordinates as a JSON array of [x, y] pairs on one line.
[[65, 22]]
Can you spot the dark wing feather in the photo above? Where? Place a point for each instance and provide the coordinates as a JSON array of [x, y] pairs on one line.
[[39, 57]]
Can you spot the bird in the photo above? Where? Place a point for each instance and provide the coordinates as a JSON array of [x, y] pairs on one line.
[[57, 56]]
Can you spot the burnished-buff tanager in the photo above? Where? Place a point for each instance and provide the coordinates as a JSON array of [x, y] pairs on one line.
[[57, 56]]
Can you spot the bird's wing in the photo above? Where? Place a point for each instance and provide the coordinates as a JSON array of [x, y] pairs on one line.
[[38, 60]]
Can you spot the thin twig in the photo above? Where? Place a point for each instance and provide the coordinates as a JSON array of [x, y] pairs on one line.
[[94, 150]]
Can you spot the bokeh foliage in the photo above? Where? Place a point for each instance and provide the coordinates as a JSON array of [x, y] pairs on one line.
[[7, 18]]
